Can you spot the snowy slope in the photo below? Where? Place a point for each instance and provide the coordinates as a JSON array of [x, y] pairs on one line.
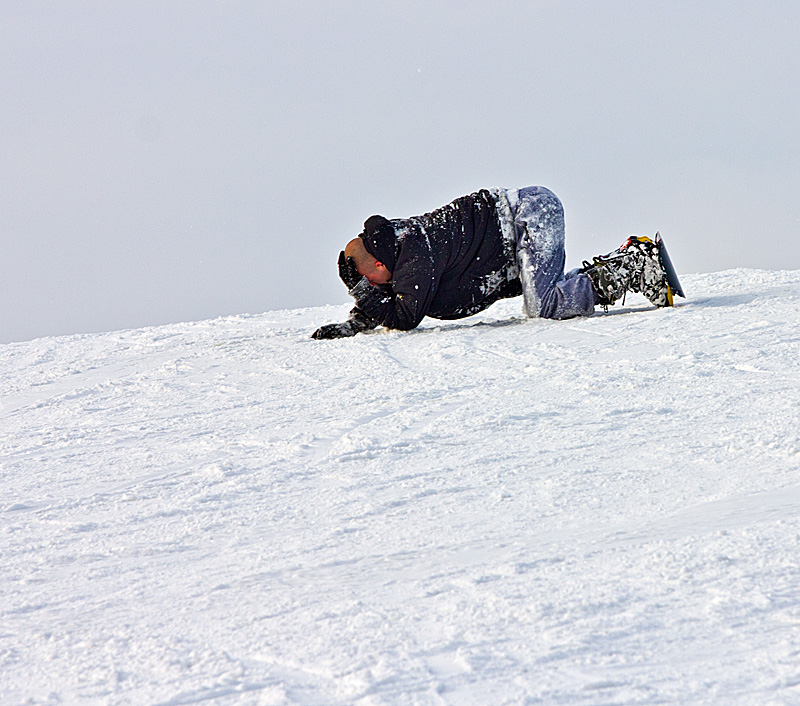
[[492, 511]]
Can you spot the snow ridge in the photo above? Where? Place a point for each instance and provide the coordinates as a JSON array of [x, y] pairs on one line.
[[490, 511]]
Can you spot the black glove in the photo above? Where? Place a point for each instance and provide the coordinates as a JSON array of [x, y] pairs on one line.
[[328, 331], [348, 272], [360, 321], [357, 322]]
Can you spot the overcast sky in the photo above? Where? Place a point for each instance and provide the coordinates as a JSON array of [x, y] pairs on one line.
[[167, 161]]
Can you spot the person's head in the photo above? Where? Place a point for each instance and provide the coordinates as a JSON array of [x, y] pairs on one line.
[[367, 266]]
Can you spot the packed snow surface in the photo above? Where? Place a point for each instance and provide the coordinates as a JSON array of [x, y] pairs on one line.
[[491, 511]]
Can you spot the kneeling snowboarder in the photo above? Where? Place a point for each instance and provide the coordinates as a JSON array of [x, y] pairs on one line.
[[489, 245]]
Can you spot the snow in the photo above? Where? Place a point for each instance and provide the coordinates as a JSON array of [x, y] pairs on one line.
[[489, 511]]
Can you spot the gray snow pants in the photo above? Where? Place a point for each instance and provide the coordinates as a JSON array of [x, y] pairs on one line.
[[548, 293]]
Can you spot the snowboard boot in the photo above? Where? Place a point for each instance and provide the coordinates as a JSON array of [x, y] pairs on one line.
[[636, 266]]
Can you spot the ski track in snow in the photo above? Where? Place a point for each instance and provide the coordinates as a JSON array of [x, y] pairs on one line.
[[490, 511]]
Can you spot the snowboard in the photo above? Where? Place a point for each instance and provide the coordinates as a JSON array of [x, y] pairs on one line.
[[669, 269]]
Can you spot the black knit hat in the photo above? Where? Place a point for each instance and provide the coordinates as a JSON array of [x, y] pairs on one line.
[[380, 240]]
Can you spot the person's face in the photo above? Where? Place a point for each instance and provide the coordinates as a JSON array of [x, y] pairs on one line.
[[377, 274], [367, 266]]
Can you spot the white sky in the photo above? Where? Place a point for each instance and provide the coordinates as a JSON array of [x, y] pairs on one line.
[[168, 161]]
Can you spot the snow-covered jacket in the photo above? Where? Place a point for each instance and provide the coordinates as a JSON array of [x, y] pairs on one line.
[[447, 264]]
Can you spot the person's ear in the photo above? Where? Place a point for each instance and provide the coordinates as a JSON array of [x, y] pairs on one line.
[[379, 264]]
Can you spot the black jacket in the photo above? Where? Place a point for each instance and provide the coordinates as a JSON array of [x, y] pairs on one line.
[[447, 264]]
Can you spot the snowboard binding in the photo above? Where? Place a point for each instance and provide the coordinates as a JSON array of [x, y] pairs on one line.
[[639, 265]]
